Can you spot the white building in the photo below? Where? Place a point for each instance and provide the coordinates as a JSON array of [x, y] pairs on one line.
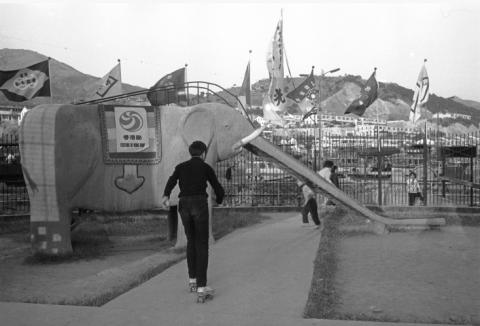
[[453, 116], [11, 113]]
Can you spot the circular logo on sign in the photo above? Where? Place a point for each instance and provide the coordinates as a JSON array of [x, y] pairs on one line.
[[24, 80], [131, 121]]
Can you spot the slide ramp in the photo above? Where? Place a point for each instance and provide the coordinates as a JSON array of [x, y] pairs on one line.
[[261, 147]]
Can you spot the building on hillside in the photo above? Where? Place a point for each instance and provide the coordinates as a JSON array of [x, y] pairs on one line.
[[343, 119], [452, 116], [10, 113]]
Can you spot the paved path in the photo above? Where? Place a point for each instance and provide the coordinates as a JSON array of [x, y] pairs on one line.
[[265, 271], [261, 273], [262, 276]]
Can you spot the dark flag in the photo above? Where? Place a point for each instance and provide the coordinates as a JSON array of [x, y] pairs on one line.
[[172, 91], [305, 90], [26, 83], [245, 94], [368, 95]]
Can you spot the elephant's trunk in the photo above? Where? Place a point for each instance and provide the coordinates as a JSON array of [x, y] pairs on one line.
[[247, 139]]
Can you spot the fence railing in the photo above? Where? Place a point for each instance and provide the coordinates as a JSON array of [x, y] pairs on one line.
[[13, 194], [373, 168]]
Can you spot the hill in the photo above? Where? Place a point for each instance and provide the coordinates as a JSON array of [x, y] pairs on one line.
[[470, 103], [336, 93], [393, 103], [68, 84]]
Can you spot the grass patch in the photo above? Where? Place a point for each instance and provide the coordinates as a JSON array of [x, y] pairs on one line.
[[224, 222], [322, 296], [19, 226], [86, 245], [112, 293], [99, 237], [454, 320], [126, 224]]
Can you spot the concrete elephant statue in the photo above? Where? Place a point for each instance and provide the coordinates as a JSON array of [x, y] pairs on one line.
[[88, 157]]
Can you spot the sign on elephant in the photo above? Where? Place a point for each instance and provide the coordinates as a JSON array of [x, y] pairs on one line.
[[130, 134]]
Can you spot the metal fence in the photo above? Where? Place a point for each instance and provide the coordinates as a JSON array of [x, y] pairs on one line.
[[373, 168], [13, 194]]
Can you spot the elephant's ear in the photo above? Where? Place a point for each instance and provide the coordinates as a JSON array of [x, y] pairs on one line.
[[198, 124]]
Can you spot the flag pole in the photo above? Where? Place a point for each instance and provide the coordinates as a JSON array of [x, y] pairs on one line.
[[185, 76], [250, 73], [184, 82], [319, 119], [425, 156], [50, 81], [118, 60], [379, 148], [120, 75], [376, 112]]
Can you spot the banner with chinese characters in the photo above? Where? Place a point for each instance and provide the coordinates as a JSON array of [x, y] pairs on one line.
[[131, 129], [130, 134]]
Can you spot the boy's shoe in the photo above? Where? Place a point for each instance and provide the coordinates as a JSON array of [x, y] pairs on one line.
[[204, 293], [305, 225], [192, 286]]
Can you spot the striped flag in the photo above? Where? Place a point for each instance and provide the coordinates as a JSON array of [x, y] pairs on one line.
[[110, 84], [420, 97]]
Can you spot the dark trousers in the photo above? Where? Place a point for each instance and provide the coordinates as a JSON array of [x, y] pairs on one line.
[[412, 196], [310, 207], [194, 213]]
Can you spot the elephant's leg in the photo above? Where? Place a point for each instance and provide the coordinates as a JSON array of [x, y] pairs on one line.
[[51, 235]]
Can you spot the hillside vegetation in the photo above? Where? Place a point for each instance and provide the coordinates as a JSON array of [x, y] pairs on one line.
[[336, 93]]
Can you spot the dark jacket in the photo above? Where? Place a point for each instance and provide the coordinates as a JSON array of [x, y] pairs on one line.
[[192, 176]]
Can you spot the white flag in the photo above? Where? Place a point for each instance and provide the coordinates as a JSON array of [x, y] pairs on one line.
[[270, 115], [110, 84], [275, 55], [420, 97]]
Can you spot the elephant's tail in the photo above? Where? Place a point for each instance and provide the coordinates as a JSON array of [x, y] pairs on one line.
[[37, 151]]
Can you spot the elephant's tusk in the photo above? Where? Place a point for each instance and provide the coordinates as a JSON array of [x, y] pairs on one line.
[[248, 138]]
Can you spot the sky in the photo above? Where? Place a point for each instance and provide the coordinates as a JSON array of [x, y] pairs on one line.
[[214, 38]]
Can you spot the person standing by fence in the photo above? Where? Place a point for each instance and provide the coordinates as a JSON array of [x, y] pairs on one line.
[[334, 176], [309, 206], [334, 180], [326, 173], [413, 189]]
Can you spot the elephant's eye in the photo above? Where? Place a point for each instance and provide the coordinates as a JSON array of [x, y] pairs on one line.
[[227, 126]]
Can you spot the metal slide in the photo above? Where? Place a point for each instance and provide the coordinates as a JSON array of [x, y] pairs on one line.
[[261, 147]]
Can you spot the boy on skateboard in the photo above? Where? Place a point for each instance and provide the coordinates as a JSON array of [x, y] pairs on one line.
[[192, 177]]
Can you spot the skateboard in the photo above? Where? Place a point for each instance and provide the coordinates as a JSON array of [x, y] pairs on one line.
[[204, 296]]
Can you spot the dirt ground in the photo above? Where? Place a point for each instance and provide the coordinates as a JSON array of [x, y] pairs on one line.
[[99, 247], [423, 277], [112, 254]]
